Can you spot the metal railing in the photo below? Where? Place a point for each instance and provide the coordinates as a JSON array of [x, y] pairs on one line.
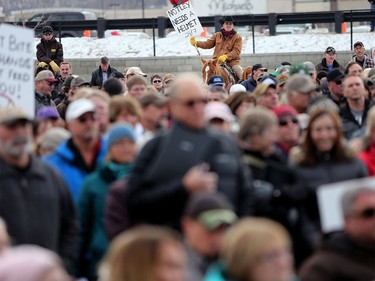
[[271, 20]]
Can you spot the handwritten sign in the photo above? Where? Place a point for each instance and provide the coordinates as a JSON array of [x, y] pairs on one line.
[[17, 67], [329, 200], [184, 20]]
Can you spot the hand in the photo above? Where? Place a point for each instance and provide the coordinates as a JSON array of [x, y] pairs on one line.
[[54, 67], [193, 41], [223, 58], [198, 179], [42, 64]]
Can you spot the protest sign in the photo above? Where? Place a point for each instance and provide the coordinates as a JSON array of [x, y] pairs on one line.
[[17, 67], [184, 20], [329, 200]]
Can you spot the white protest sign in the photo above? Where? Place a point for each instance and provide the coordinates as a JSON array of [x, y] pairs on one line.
[[184, 20], [17, 67], [329, 201]]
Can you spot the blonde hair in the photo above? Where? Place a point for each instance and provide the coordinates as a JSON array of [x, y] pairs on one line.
[[133, 255], [87, 93], [119, 103], [247, 240]]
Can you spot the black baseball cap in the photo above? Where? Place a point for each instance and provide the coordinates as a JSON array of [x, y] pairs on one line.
[[330, 50], [216, 80], [358, 43], [335, 75], [259, 66]]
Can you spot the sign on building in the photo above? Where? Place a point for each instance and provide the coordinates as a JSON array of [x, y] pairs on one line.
[[17, 67], [184, 20], [229, 7]]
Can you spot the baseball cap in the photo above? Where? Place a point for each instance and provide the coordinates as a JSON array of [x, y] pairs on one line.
[[298, 68], [299, 83], [68, 80], [47, 112], [79, 107], [210, 209], [78, 82], [118, 75], [45, 75], [310, 66], [283, 111], [335, 75], [10, 115], [154, 99], [358, 43], [330, 50], [259, 66], [216, 80], [237, 88], [135, 70], [218, 110]]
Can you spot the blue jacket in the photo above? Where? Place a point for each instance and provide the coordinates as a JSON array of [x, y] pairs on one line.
[[63, 161]]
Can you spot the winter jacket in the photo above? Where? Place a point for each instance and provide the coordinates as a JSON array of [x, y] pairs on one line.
[[97, 76], [155, 191], [324, 172], [64, 160], [42, 101], [323, 65], [340, 258], [48, 51], [38, 209], [350, 127], [367, 62], [91, 206], [230, 46], [250, 84], [116, 213], [368, 157]]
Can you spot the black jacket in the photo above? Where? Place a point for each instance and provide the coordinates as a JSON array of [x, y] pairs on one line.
[[250, 84], [42, 101], [340, 258], [350, 127], [38, 209], [97, 76], [155, 191], [323, 65], [48, 51]]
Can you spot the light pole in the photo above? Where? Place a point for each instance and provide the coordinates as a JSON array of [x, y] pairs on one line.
[[143, 9]]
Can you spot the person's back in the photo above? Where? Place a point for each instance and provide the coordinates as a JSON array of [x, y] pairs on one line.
[[185, 160]]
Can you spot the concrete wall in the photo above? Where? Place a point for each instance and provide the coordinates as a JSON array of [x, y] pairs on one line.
[[162, 65]]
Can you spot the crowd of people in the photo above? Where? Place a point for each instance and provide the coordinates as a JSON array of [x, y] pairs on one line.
[[120, 178]]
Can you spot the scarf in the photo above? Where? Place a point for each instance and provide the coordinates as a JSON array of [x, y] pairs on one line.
[[120, 170], [227, 33]]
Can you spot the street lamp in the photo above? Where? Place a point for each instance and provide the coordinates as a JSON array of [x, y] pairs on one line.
[[143, 9]]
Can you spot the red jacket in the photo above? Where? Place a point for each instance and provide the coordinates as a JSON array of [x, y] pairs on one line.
[[368, 157]]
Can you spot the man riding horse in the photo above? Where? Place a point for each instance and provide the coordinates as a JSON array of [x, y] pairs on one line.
[[227, 43]]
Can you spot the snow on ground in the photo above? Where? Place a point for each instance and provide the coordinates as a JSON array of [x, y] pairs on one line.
[[127, 47]]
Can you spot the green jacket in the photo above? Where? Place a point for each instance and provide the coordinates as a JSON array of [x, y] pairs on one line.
[[91, 206]]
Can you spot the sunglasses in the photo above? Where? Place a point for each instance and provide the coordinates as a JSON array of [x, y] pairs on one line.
[[84, 119], [193, 102], [284, 123], [156, 81], [367, 213], [338, 82]]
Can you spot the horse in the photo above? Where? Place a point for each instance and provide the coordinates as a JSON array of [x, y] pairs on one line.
[[212, 67]]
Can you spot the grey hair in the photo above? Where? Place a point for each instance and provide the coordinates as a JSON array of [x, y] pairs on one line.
[[348, 198], [221, 90]]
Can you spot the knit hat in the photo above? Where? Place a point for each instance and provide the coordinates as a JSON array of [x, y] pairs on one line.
[[53, 137], [117, 132], [113, 86], [47, 112]]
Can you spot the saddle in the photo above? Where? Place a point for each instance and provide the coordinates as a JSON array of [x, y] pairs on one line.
[[232, 76]]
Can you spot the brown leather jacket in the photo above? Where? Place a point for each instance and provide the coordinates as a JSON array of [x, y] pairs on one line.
[[230, 46]]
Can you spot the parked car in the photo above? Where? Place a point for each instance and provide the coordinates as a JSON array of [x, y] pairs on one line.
[[46, 18]]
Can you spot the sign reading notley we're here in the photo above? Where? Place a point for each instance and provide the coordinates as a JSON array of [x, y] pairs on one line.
[[184, 20]]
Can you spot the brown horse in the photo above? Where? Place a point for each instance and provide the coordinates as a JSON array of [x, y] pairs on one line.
[[212, 67]]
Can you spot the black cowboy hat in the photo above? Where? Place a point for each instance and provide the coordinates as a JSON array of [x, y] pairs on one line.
[[227, 19]]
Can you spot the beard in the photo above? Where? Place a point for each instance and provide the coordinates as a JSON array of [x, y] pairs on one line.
[[16, 147]]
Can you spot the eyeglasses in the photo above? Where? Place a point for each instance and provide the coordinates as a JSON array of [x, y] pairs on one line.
[[84, 119], [339, 82], [367, 213], [283, 123], [156, 81], [193, 102]]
